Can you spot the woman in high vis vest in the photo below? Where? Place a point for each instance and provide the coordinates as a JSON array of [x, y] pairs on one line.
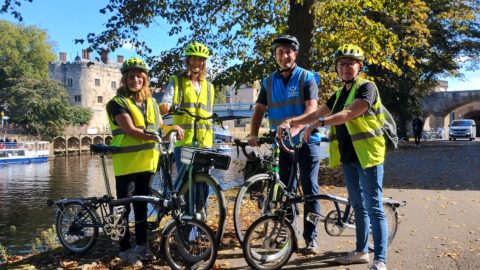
[[355, 118], [130, 113], [190, 90]]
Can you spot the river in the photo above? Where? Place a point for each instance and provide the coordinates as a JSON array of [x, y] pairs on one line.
[[25, 188]]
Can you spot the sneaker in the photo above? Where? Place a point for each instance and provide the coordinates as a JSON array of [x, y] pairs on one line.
[[378, 265], [353, 257], [123, 255], [128, 257], [312, 248], [143, 253]]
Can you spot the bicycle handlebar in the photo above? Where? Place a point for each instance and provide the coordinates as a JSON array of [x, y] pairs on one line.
[[267, 138], [288, 135]]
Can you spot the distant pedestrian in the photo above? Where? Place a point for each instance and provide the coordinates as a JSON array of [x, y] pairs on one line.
[[417, 126]]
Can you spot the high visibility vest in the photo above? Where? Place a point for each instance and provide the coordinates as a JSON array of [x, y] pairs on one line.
[[135, 155], [201, 104], [365, 131], [286, 101]]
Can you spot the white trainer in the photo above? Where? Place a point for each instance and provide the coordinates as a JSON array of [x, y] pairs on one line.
[[353, 257], [378, 265]]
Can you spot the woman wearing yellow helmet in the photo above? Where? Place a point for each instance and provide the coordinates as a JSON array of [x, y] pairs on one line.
[[130, 113], [190, 90], [355, 118]]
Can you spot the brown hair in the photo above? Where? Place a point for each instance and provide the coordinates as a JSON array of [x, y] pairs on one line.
[[143, 94]]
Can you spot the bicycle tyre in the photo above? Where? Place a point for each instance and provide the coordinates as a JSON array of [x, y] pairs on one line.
[[216, 197], [330, 223], [267, 247], [179, 249], [76, 238], [245, 201]]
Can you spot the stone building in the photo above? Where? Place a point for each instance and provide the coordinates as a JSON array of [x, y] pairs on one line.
[[90, 83]]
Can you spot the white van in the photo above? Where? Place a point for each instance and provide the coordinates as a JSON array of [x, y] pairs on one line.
[[462, 129]]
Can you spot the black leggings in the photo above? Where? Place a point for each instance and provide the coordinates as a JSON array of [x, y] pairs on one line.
[[127, 186]]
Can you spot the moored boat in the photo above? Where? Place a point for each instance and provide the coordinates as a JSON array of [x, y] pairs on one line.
[[24, 152], [222, 147]]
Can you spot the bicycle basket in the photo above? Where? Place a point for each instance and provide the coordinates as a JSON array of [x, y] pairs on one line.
[[204, 158]]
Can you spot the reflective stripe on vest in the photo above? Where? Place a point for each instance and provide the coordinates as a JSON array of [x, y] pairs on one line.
[[153, 126], [365, 131], [200, 104], [135, 155]]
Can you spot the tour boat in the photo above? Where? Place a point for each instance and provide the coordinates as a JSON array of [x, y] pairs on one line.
[[222, 147], [24, 152]]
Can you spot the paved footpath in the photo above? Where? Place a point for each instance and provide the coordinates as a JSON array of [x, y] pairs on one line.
[[440, 226]]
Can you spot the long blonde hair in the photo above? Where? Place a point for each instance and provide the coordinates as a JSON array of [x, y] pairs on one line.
[[142, 95]]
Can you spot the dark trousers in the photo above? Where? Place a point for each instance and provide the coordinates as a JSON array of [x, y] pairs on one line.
[[309, 165], [127, 186], [418, 136]]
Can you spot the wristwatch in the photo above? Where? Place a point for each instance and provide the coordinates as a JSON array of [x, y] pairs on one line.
[[322, 121]]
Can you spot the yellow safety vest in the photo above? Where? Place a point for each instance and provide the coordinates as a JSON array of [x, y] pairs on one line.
[[135, 155], [201, 104], [365, 131]]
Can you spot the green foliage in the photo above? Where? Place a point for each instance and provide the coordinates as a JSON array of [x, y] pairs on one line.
[[409, 44], [24, 53], [3, 253], [46, 241], [42, 104]]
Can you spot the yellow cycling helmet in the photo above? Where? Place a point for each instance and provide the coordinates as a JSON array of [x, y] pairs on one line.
[[349, 51], [133, 63], [197, 49]]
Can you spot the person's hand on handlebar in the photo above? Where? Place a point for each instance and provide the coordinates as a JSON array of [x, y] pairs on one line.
[[252, 141], [180, 132], [284, 125]]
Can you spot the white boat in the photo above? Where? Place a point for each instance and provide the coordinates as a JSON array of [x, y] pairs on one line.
[[24, 152], [222, 147]]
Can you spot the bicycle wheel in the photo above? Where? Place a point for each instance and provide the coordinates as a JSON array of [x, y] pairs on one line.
[[332, 227], [268, 243], [392, 224], [189, 244], [212, 209], [250, 202], [76, 228]]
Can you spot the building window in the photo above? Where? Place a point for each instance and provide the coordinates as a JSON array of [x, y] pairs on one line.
[[69, 82], [114, 85], [97, 82], [77, 98], [100, 99]]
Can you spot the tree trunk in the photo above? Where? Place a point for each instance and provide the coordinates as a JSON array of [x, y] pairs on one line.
[[300, 25]]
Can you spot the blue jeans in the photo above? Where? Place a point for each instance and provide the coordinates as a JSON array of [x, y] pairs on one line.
[[365, 193], [309, 165]]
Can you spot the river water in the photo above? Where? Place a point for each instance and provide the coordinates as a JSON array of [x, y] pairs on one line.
[[25, 188]]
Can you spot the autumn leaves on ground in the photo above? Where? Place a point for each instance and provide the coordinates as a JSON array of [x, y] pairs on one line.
[[438, 228]]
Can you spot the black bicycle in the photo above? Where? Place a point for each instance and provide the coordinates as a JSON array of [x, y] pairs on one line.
[[270, 241], [186, 242]]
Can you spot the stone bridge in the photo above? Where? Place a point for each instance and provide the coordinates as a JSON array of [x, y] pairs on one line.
[[440, 108]]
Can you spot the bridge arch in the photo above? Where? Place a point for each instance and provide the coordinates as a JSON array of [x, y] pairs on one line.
[[440, 108]]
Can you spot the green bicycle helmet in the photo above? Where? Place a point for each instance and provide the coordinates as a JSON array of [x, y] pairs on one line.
[[197, 49], [349, 51], [133, 63]]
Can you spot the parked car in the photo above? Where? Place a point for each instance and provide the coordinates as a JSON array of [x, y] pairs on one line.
[[462, 129]]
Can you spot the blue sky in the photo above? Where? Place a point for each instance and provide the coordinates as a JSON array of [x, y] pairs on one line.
[[66, 20]]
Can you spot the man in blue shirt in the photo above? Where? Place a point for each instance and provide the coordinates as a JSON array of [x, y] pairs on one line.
[[289, 92]]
